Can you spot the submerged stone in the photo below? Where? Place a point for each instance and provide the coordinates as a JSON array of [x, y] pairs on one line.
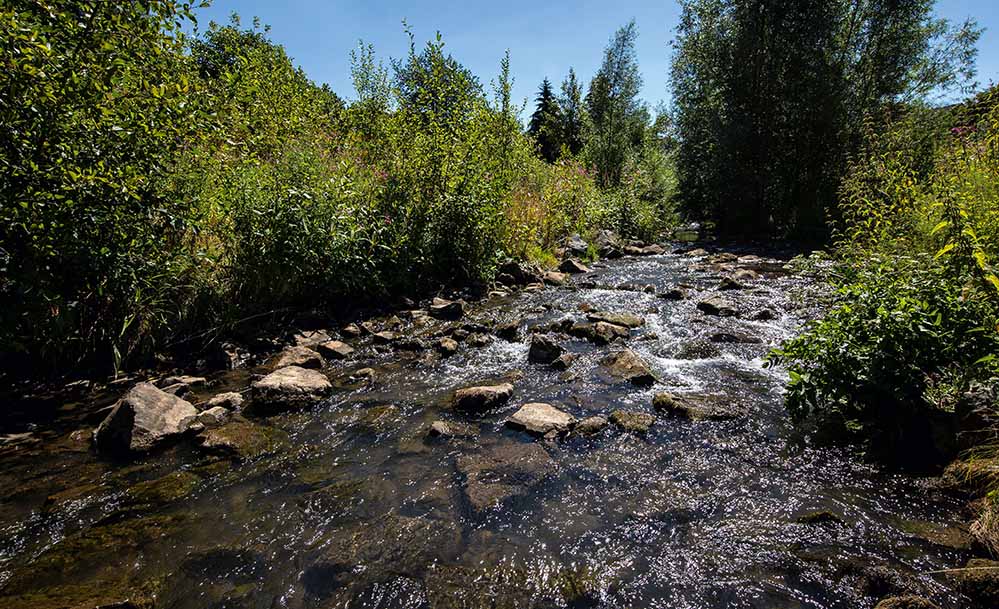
[[243, 440], [501, 472]]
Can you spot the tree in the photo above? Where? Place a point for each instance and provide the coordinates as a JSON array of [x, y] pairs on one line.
[[572, 113], [765, 135], [617, 117], [545, 125]]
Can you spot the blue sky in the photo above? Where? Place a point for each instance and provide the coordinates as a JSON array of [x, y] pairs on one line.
[[544, 38]]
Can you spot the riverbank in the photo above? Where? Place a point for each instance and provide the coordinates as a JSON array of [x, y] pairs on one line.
[[662, 470]]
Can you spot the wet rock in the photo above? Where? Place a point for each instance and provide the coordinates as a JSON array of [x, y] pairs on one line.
[[384, 338], [377, 419], [653, 250], [692, 408], [213, 417], [674, 294], [573, 267], [242, 440], [627, 366], [446, 346], [633, 250], [697, 253], [626, 320], [979, 581], [452, 429], [189, 381], [718, 306], [483, 398], [478, 340], [364, 374], [509, 331], [906, 602], [633, 421], [556, 278], [728, 283], [451, 310], [310, 338], [143, 419], [697, 349], [178, 389], [394, 544], [956, 537], [735, 338], [540, 419], [352, 331], [723, 258], [744, 275], [819, 517], [289, 388], [302, 357], [335, 350], [563, 362], [764, 315], [412, 344], [230, 401], [163, 490], [601, 333], [502, 472], [544, 350], [590, 426]]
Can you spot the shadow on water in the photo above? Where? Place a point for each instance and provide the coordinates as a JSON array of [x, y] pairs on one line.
[[352, 505]]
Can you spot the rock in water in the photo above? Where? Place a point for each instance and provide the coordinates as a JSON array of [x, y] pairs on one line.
[[302, 357], [502, 472], [692, 408], [540, 419], [555, 278], [544, 350], [144, 418], [230, 401], [480, 399], [626, 320], [628, 366], [590, 426], [629, 420], [335, 349], [573, 267], [716, 305], [447, 309], [906, 602], [242, 440], [447, 346], [289, 388], [979, 580]]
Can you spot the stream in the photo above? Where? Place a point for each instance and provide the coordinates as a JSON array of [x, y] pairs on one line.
[[349, 503]]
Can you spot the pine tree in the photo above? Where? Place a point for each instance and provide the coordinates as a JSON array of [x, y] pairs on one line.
[[571, 105], [545, 124]]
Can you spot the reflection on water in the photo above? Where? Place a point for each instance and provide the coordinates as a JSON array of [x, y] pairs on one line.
[[353, 506]]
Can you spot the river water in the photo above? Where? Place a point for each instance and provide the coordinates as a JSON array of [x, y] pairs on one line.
[[357, 507]]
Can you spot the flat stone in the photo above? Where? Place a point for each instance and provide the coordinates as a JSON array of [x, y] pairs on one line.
[[242, 440], [385, 337], [144, 418], [692, 408], [452, 429], [483, 398], [190, 381], [290, 387], [335, 349], [352, 331], [627, 366], [626, 320], [540, 419], [573, 267], [745, 275], [556, 278], [303, 357], [590, 426], [310, 338], [718, 306], [633, 421], [230, 401], [447, 309], [502, 472]]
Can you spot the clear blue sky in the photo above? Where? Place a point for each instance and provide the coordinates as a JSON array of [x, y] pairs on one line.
[[545, 38]]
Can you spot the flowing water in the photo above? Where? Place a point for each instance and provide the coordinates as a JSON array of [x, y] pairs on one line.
[[356, 507]]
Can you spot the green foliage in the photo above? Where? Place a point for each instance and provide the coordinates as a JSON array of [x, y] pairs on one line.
[[572, 113], [765, 135], [546, 123]]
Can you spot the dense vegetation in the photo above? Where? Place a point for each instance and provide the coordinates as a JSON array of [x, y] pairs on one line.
[[155, 185]]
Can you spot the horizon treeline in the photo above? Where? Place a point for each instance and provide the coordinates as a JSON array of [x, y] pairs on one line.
[[159, 187]]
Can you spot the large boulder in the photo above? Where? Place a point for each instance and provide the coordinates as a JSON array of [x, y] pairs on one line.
[[627, 366], [628, 320], [540, 419], [501, 472], [143, 419], [482, 398], [544, 349], [289, 388]]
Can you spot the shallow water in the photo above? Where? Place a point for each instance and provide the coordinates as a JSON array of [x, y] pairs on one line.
[[359, 509]]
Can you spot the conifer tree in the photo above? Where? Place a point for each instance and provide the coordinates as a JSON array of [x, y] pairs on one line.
[[546, 123], [571, 105]]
